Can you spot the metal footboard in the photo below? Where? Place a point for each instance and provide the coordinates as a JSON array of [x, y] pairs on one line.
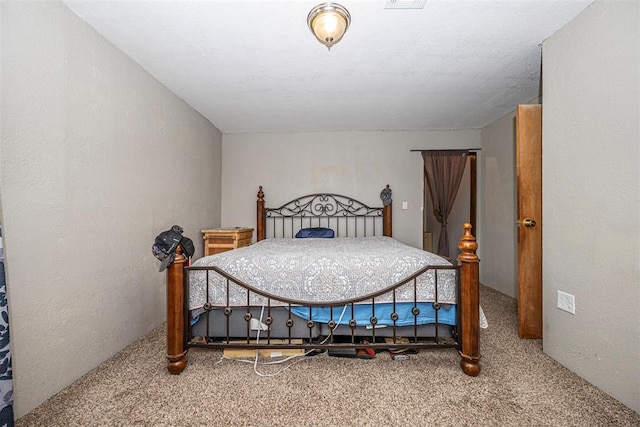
[[233, 323]]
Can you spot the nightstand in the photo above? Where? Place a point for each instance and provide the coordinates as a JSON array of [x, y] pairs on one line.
[[218, 240]]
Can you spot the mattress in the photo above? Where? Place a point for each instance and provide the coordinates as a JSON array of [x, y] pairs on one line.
[[216, 324]]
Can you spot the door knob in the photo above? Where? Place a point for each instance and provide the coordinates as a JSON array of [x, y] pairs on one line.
[[528, 222]]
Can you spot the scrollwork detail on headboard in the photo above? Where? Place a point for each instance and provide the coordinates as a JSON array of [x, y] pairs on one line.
[[324, 205]]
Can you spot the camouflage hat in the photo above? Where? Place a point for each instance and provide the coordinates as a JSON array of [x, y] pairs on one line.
[[164, 247]]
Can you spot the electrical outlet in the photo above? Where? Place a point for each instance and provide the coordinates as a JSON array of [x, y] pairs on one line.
[[567, 302], [405, 205]]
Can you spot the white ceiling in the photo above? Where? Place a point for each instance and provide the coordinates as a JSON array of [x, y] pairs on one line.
[[254, 66]]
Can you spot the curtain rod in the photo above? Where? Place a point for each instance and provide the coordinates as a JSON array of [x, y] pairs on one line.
[[453, 149]]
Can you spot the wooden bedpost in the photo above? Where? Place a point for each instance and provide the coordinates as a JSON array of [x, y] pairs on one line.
[[176, 351], [469, 303], [386, 225], [260, 218]]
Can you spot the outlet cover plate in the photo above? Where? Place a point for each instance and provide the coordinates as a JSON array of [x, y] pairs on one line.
[[567, 302]]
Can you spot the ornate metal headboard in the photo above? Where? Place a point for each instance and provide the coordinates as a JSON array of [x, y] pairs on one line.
[[346, 216]]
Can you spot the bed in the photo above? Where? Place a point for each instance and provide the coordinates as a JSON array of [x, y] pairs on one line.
[[357, 290]]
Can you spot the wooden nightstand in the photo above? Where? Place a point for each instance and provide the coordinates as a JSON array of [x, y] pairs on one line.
[[218, 240]]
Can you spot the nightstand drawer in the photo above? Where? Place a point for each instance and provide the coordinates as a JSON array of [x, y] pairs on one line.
[[244, 242]]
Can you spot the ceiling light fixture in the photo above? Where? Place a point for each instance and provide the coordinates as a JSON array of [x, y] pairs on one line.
[[328, 22]]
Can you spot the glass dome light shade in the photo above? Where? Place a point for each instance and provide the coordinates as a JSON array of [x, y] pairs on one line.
[[328, 22]]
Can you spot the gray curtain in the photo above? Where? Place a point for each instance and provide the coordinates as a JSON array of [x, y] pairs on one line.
[[443, 171]]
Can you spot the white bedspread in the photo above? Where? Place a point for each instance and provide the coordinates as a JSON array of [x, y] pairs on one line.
[[322, 270]]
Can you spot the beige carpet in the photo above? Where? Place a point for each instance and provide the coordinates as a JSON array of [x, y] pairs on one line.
[[518, 386]]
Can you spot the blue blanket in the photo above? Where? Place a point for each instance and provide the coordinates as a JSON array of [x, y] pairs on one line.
[[363, 312]]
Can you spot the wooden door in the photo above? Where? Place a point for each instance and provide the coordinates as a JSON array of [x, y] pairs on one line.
[[529, 170]]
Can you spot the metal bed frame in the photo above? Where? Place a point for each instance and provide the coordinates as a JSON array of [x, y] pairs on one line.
[[349, 218]]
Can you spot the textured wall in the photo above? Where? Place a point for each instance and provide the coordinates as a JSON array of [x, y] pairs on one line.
[[498, 231], [591, 196], [357, 164], [97, 158]]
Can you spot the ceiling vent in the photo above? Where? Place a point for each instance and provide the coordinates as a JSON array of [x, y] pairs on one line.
[[404, 4]]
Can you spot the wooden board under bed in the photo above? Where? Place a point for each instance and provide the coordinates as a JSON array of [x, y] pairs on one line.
[[296, 214]]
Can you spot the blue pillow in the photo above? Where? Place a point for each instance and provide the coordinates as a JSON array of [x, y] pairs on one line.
[[314, 232]]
